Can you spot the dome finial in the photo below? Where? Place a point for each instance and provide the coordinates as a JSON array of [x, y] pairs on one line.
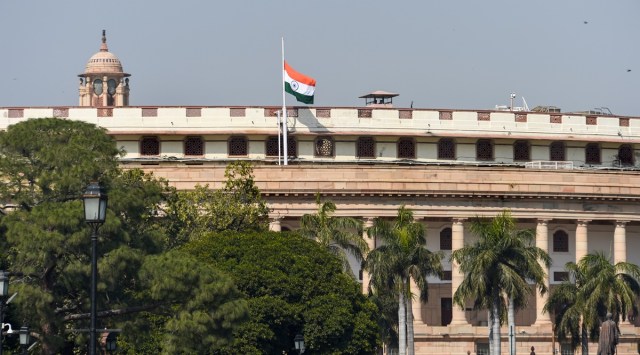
[[103, 46]]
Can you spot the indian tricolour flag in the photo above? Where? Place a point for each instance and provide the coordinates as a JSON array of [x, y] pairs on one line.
[[299, 85]]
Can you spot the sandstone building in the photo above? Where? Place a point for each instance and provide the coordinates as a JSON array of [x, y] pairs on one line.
[[573, 178]]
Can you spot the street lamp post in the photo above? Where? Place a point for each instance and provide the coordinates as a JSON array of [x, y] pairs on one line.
[[4, 292], [298, 342], [25, 339], [95, 211]]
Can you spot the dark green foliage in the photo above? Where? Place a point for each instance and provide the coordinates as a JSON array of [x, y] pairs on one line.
[[292, 285], [52, 160], [47, 164], [595, 287]]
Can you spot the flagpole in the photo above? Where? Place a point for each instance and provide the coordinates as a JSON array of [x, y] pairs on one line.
[[279, 138], [284, 111]]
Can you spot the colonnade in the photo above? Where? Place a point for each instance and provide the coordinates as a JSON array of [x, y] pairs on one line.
[[542, 242]]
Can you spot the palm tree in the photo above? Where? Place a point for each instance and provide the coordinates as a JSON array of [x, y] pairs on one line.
[[499, 265], [595, 287], [337, 234], [402, 257]]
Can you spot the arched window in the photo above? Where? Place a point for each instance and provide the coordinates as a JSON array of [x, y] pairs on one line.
[[592, 153], [406, 148], [271, 147], [238, 146], [193, 146], [561, 241], [446, 149], [521, 151], [365, 147], [557, 151], [324, 146], [484, 149], [445, 239], [625, 155], [150, 146]]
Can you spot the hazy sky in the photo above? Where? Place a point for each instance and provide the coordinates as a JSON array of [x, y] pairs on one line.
[[574, 54]]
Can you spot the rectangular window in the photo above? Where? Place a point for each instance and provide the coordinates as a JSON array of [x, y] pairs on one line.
[[560, 276], [446, 311], [482, 348]]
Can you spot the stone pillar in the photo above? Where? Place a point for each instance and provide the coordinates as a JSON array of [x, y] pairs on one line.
[[457, 242], [581, 239], [274, 224], [416, 304], [542, 242], [620, 242], [371, 242]]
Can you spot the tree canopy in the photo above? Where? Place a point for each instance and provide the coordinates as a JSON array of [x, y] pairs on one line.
[[402, 257], [238, 206], [339, 235], [594, 288], [499, 264], [293, 286], [47, 164]]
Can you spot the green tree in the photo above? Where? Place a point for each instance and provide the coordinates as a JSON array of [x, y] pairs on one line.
[[402, 257], [595, 287], [336, 234], [52, 160], [293, 286], [48, 163], [238, 206], [499, 265]]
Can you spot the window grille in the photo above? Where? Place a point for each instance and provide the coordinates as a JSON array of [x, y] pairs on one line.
[[406, 148], [557, 151], [150, 146], [565, 349], [193, 146], [445, 239], [561, 242], [521, 151], [364, 113], [324, 147], [592, 154], [482, 348], [625, 155], [484, 149], [194, 112], [271, 147], [238, 146], [365, 147], [446, 149], [323, 113]]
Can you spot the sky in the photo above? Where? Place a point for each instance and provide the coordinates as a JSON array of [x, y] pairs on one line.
[[455, 54]]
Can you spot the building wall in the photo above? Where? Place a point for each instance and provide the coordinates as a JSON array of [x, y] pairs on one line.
[[438, 191]]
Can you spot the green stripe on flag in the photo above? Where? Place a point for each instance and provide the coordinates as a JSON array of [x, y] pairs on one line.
[[300, 97]]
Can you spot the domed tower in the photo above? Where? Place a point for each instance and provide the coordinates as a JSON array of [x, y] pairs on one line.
[[103, 82]]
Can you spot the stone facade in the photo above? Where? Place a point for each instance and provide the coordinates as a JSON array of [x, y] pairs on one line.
[[587, 201]]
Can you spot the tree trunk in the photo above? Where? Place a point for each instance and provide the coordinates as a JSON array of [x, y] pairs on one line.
[[410, 347], [402, 325], [490, 326], [496, 325], [584, 339], [511, 319]]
